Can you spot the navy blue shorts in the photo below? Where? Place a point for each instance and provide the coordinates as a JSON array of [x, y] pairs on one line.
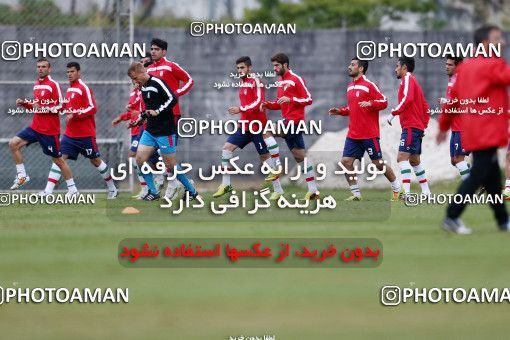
[[294, 140], [410, 141], [135, 139], [241, 139], [86, 146], [356, 148], [456, 145], [50, 144]]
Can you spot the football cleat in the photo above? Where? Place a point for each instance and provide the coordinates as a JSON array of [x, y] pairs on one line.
[[274, 175], [354, 199], [19, 182], [310, 196], [455, 226], [222, 190], [275, 196], [112, 194], [151, 196]]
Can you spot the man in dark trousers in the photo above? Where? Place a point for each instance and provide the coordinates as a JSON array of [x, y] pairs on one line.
[[484, 128]]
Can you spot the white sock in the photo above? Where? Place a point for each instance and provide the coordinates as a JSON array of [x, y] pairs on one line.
[[53, 178], [419, 171], [71, 187], [310, 177], [139, 176], [277, 186], [405, 173], [103, 170], [225, 164], [395, 186], [274, 150], [20, 170], [463, 169], [355, 190], [507, 186]]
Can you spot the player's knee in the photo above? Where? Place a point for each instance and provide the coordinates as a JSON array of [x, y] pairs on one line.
[[14, 144], [229, 147], [347, 161], [379, 164], [58, 161], [96, 161], [414, 162], [139, 160]]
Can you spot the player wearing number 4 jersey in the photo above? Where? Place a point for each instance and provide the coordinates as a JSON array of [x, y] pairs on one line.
[[80, 134], [251, 95], [364, 101], [45, 127]]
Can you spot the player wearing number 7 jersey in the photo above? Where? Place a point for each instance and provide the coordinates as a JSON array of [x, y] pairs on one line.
[[80, 134]]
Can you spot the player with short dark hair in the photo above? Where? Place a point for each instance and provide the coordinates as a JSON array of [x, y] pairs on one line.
[[292, 98], [45, 128], [482, 134], [80, 134], [251, 95], [446, 120], [364, 102], [179, 81], [414, 114]]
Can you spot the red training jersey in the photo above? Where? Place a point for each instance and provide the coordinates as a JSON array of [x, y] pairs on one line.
[[82, 105], [483, 130], [293, 86], [447, 120], [134, 110], [48, 95], [173, 75], [363, 121], [251, 95], [412, 106]]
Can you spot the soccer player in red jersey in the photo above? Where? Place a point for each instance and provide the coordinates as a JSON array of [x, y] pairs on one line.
[[251, 95], [446, 120], [292, 98], [179, 81], [80, 134], [45, 127], [484, 128], [133, 109], [364, 101], [414, 114]]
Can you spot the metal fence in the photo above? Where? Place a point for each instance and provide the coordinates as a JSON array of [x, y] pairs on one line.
[[319, 56]]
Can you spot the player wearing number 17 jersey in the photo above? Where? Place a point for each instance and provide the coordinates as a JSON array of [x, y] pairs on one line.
[[80, 134]]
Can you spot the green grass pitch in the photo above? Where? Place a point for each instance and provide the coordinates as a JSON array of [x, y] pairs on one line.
[[66, 246]]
